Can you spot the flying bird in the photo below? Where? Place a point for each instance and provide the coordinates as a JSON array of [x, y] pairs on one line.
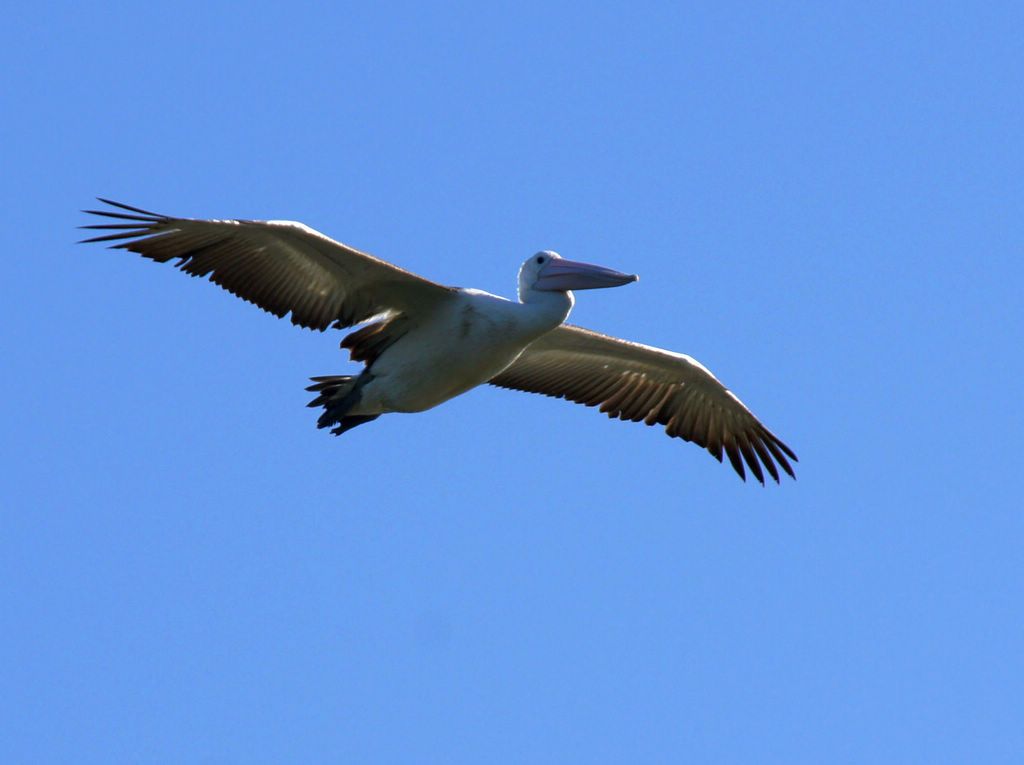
[[424, 343]]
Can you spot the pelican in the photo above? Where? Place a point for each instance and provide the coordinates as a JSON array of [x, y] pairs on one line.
[[424, 343]]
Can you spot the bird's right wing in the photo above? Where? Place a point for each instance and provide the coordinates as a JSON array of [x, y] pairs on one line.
[[281, 266], [637, 382]]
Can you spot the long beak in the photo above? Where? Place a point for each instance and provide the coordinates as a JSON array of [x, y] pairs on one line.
[[559, 275]]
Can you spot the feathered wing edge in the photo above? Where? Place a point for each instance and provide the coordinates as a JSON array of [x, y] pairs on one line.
[[639, 383], [281, 266]]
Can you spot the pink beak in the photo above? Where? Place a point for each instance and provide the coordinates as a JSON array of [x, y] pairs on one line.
[[560, 275]]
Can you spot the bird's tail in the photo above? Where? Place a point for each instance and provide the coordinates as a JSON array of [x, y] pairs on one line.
[[338, 394]]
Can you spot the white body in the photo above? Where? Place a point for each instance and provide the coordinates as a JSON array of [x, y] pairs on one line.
[[474, 337]]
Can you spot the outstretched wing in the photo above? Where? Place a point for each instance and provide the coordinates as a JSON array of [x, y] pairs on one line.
[[281, 266], [640, 383]]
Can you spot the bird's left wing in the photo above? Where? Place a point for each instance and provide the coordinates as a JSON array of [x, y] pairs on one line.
[[281, 266], [637, 382]]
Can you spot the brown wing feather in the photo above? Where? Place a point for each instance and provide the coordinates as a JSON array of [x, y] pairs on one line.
[[281, 266], [369, 342], [640, 383]]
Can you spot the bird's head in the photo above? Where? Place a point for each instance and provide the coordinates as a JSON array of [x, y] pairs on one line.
[[548, 271]]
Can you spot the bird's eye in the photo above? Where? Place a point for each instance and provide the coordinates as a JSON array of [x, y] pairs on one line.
[[540, 258]]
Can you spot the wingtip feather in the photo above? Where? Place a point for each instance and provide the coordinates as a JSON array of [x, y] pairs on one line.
[[139, 210]]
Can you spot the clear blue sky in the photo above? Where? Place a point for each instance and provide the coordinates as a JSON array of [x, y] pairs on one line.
[[824, 202]]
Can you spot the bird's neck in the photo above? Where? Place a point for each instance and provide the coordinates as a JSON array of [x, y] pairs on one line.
[[546, 309]]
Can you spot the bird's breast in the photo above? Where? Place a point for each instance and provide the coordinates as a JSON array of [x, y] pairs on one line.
[[463, 346]]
